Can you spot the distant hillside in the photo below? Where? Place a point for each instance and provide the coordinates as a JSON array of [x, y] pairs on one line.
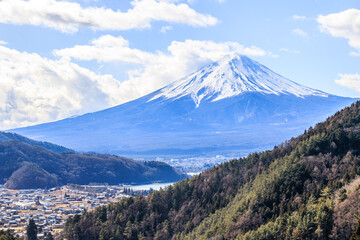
[[7, 136], [26, 166], [305, 188], [31, 175]]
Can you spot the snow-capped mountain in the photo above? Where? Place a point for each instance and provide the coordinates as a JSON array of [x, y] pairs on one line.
[[232, 76], [234, 105]]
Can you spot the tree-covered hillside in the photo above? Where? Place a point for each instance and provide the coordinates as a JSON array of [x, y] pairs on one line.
[[26, 166], [305, 188]]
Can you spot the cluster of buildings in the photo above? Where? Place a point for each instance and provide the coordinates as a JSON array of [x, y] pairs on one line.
[[195, 164], [50, 208]]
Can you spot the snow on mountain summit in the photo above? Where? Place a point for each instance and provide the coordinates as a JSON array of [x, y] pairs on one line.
[[233, 75]]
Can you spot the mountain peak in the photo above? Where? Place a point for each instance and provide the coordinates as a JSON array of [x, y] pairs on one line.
[[234, 57], [233, 75]]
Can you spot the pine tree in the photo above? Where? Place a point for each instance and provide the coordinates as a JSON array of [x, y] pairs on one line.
[[48, 236], [7, 235], [356, 234], [31, 230]]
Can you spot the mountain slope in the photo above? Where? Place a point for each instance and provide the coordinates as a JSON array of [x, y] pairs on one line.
[[26, 166], [305, 188], [30, 175], [234, 105]]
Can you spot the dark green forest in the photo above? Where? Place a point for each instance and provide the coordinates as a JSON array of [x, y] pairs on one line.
[[305, 188], [26, 166], [7, 235]]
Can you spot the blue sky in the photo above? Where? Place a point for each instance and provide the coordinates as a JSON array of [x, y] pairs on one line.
[[64, 58]]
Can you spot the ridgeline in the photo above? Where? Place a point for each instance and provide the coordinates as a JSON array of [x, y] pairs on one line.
[[26, 166]]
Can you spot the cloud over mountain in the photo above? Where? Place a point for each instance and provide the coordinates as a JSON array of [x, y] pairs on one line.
[[69, 16], [345, 24], [155, 70], [351, 81], [34, 89]]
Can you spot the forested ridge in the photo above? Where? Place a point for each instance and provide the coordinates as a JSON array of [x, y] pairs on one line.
[[26, 166], [305, 188]]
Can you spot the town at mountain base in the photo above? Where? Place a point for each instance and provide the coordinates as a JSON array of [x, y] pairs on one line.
[[230, 107], [305, 188]]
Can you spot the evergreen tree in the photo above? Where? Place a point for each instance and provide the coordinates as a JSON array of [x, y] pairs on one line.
[[356, 234], [48, 236], [31, 230], [7, 235]]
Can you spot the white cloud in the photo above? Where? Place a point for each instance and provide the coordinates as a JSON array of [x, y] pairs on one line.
[[105, 49], [160, 68], [164, 29], [300, 33], [70, 16], [298, 17], [194, 1], [354, 54], [344, 24], [155, 70], [35, 89], [3, 42], [351, 81], [109, 48], [287, 50]]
